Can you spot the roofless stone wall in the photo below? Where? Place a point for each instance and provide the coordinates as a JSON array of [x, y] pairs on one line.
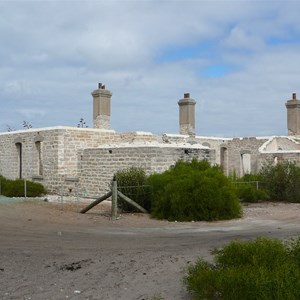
[[48, 155], [279, 157], [237, 148], [20, 155], [87, 158], [84, 160], [97, 166]]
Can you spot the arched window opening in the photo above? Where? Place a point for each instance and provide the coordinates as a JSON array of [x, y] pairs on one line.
[[39, 151], [19, 151]]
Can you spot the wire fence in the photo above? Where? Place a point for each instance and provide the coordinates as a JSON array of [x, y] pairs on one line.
[[256, 184], [141, 194], [141, 190]]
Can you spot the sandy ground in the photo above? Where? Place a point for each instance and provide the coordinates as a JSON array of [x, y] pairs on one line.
[[52, 252]]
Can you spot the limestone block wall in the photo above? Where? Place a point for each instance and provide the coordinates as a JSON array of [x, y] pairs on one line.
[[280, 143], [214, 143], [75, 139], [88, 158], [178, 139], [278, 157], [38, 161], [8, 156], [239, 146], [50, 155], [276, 150], [54, 159], [97, 166]]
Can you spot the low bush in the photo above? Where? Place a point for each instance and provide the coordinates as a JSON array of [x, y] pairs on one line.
[[250, 188], [282, 181], [193, 191], [15, 188], [262, 269], [132, 182]]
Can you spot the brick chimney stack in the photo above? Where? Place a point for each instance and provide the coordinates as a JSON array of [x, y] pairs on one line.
[[187, 115], [293, 115], [101, 107]]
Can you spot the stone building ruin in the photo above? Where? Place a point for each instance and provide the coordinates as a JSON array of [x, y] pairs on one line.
[[88, 157]]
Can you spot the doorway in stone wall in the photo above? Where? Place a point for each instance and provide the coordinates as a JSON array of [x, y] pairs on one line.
[[245, 163]]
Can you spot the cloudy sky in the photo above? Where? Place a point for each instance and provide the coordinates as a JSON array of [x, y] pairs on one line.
[[240, 60]]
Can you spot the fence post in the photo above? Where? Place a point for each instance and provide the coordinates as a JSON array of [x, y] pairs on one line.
[[256, 185], [25, 189], [62, 195], [77, 196], [114, 203], [0, 187]]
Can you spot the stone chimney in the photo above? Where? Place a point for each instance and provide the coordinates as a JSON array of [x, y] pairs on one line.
[[101, 107], [187, 115], [293, 115]]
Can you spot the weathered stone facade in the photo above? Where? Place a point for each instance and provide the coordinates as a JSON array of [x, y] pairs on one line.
[[97, 165], [86, 159]]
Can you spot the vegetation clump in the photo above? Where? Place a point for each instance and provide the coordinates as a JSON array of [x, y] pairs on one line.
[[250, 188], [262, 269], [132, 182], [279, 182], [282, 181], [193, 191], [15, 188], [196, 191]]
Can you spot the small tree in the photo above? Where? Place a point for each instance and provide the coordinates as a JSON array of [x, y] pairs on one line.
[[250, 188], [193, 191], [282, 181], [82, 124], [263, 269], [9, 128], [27, 125]]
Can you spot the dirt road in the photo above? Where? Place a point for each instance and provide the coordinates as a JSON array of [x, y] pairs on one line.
[[47, 253]]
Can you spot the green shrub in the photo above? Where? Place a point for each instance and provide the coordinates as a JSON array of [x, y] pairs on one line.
[[132, 182], [15, 188], [282, 181], [260, 269], [250, 188], [193, 191]]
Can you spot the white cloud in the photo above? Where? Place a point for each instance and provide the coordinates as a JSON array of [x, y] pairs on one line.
[[240, 39], [31, 113], [53, 54]]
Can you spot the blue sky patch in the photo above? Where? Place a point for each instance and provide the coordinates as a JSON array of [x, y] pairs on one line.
[[174, 53], [215, 71], [274, 41]]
